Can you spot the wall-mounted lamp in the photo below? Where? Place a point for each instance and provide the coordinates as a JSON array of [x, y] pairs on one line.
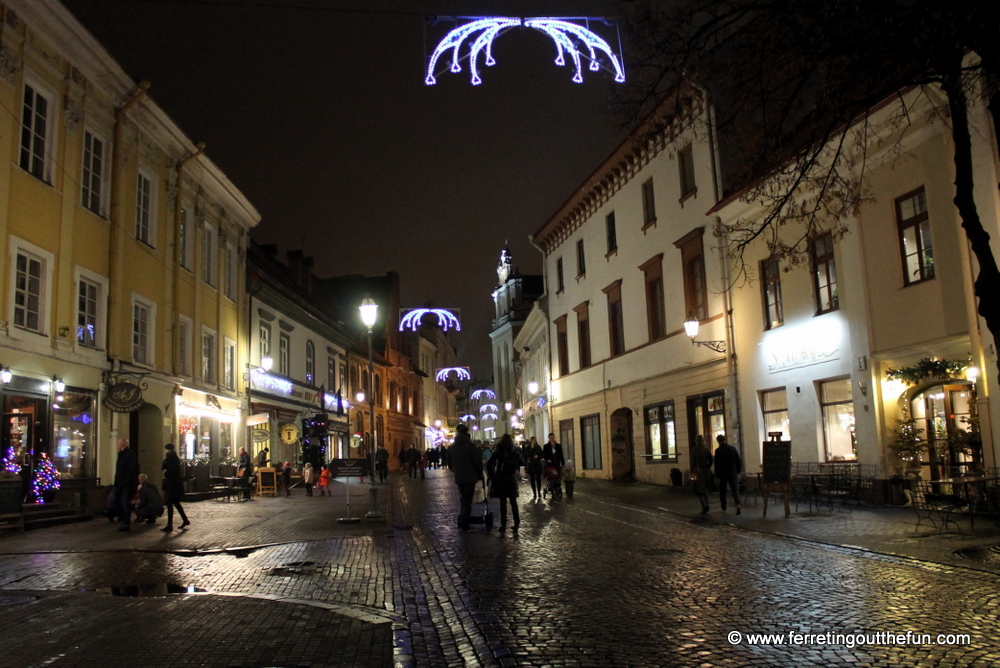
[[5, 374], [507, 405], [691, 327], [533, 387], [972, 373], [360, 397], [57, 384], [266, 363]]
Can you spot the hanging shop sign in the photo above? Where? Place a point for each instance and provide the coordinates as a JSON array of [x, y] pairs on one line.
[[289, 433], [260, 435], [123, 398]]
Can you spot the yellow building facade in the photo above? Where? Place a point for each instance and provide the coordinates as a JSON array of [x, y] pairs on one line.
[[123, 300]]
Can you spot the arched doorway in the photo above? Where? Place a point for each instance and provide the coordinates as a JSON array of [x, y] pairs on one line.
[[622, 454], [944, 414]]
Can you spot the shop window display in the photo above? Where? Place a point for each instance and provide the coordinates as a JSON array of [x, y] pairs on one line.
[[73, 435]]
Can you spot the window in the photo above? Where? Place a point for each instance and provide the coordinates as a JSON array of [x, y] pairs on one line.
[[616, 323], [393, 396], [770, 287], [609, 226], [284, 348], [144, 221], [915, 237], [685, 165], [562, 345], [36, 132], [208, 258], [590, 440], [331, 373], [566, 438], [837, 406], [183, 251], [354, 381], [707, 417], [310, 362], [342, 377], [824, 273], [559, 275], [265, 340], [88, 293], [661, 432], [648, 204], [774, 406], [208, 364], [229, 364], [93, 173], [28, 296], [693, 263], [581, 259], [230, 282], [583, 334], [406, 400], [142, 332], [184, 346], [378, 389], [653, 273]]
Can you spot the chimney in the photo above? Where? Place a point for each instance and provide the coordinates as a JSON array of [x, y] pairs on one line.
[[300, 267]]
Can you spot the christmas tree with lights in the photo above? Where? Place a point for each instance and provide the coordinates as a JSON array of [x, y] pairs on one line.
[[46, 479], [10, 464]]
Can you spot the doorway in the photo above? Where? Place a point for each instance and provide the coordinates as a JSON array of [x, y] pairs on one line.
[[706, 417], [944, 414], [622, 453]]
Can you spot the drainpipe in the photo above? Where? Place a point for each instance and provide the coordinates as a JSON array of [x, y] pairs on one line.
[[178, 205], [114, 239], [732, 362]]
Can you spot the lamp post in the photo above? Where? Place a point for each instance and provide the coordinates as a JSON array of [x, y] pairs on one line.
[[369, 312]]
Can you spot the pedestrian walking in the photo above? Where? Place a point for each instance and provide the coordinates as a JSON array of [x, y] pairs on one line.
[[552, 453], [324, 481], [286, 478], [173, 487], [701, 470], [307, 478], [425, 461], [467, 463], [147, 501], [534, 465], [728, 467], [126, 480], [382, 463], [502, 469], [569, 477], [244, 469], [412, 459]]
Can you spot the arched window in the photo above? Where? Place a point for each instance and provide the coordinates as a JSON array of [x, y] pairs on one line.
[[378, 389], [392, 396], [310, 362], [406, 400], [379, 431]]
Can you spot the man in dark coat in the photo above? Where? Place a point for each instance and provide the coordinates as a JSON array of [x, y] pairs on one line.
[[412, 459], [464, 459], [552, 453], [728, 467], [533, 464], [173, 487], [126, 479], [502, 471], [148, 502]]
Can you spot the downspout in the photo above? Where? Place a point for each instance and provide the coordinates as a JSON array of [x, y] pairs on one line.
[[178, 206]]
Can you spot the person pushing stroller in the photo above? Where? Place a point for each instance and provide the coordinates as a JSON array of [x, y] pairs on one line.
[[552, 455]]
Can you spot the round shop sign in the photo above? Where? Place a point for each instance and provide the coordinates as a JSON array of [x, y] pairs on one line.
[[261, 435], [289, 433], [124, 398]]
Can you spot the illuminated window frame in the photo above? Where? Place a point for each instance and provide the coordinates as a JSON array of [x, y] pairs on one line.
[[661, 432]]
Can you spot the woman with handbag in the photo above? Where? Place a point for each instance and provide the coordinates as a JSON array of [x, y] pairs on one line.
[[502, 469]]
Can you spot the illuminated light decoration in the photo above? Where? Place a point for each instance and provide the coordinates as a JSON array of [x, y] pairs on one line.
[[461, 372], [488, 408], [267, 381], [46, 479], [557, 29], [413, 318], [541, 401], [479, 394], [491, 416], [561, 31], [10, 464], [466, 418]]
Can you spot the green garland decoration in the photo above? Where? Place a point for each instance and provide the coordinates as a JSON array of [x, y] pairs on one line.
[[927, 369]]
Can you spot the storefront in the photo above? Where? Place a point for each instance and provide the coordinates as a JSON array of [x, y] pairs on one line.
[[207, 427]]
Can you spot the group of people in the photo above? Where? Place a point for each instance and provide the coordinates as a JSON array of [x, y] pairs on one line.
[[502, 467], [134, 494], [728, 467]]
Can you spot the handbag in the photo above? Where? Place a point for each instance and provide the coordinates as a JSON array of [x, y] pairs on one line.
[[240, 472], [479, 496]]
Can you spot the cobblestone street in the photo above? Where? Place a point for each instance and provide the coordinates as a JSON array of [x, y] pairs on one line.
[[599, 580]]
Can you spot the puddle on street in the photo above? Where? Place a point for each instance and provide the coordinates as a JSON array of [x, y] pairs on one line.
[[986, 554], [146, 590]]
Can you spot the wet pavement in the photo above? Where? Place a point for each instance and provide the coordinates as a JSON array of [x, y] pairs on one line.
[[621, 575]]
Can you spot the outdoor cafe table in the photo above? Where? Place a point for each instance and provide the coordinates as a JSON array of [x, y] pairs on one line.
[[980, 493], [231, 485]]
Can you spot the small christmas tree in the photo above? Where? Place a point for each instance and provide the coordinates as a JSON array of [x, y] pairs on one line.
[[46, 479], [10, 464]]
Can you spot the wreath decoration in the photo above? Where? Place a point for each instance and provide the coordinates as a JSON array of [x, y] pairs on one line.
[[927, 369]]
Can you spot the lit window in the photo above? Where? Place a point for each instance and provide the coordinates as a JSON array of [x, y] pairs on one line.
[[837, 407], [915, 238], [774, 406], [661, 432]]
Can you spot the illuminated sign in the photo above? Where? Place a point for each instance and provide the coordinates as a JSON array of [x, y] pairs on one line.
[[802, 346], [479, 394], [414, 318], [461, 372], [576, 41]]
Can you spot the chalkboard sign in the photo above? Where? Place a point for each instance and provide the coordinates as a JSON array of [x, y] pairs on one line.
[[349, 468], [777, 462], [267, 481]]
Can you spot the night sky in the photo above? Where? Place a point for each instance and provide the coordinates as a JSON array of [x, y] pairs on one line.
[[322, 119]]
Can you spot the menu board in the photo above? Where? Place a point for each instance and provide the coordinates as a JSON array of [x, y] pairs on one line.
[[777, 462]]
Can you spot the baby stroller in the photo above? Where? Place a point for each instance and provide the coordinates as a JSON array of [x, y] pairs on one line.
[[481, 498], [553, 483]]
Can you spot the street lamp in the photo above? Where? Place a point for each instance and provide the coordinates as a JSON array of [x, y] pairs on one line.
[[369, 312], [691, 326], [533, 387], [266, 363]]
